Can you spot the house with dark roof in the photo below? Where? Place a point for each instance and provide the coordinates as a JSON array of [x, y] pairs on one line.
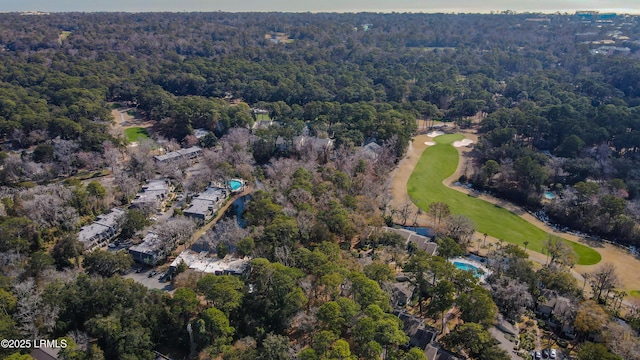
[[423, 243], [435, 351], [424, 338], [401, 294], [45, 353], [420, 335], [557, 311]]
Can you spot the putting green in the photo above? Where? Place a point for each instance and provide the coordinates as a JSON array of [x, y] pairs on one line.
[[136, 134], [425, 186]]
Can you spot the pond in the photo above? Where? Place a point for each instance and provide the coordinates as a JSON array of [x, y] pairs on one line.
[[237, 208]]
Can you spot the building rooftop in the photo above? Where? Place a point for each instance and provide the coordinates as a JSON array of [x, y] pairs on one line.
[[194, 150], [212, 193], [88, 232], [110, 219], [202, 262], [151, 243], [156, 185], [422, 242], [174, 155], [200, 207], [103, 223], [200, 133]]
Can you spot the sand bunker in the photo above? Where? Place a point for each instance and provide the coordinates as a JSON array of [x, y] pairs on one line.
[[462, 143], [435, 133], [429, 143]]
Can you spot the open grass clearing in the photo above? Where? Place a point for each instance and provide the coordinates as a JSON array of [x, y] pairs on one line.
[[426, 186], [136, 134], [262, 117]]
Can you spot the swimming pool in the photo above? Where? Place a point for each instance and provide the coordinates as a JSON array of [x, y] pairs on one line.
[[467, 267], [549, 195], [235, 185], [477, 269]]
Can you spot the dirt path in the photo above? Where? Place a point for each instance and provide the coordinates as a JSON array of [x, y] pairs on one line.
[[627, 265]]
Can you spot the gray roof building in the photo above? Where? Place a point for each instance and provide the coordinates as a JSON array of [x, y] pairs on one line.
[[206, 203], [153, 194], [423, 243], [150, 251], [188, 153], [105, 228]]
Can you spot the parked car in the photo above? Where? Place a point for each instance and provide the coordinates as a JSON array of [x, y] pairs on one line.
[[545, 353], [152, 273], [552, 353], [537, 355]]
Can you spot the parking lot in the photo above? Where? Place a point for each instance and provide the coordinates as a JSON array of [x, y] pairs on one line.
[[150, 282]]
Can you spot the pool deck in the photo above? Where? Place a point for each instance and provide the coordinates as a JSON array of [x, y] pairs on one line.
[[474, 263]]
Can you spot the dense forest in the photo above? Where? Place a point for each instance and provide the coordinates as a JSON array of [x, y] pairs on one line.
[[553, 117]]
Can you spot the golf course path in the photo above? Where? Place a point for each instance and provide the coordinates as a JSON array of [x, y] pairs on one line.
[[625, 263]]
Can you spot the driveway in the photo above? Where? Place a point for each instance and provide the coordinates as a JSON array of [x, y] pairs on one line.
[[504, 343]]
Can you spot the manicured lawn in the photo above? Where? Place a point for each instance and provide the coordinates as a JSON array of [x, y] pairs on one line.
[[136, 134], [262, 117], [425, 186]]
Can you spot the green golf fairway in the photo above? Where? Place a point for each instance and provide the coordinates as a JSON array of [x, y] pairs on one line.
[[425, 186]]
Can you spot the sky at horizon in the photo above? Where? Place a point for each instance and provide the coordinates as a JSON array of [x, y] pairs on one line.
[[427, 6]]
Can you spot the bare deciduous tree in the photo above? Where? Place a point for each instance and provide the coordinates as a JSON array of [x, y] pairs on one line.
[[511, 297], [603, 280], [460, 228]]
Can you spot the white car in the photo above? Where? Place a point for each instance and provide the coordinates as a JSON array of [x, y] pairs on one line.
[[552, 354]]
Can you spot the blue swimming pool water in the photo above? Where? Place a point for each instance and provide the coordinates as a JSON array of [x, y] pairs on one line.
[[549, 195], [235, 184], [467, 267]]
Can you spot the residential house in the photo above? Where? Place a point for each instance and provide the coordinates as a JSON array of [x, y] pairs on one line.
[[151, 251], [104, 229], [424, 337], [370, 150], [424, 243], [183, 154], [154, 195], [558, 311], [200, 133], [315, 143], [434, 351], [45, 353], [205, 204], [420, 335], [401, 293]]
